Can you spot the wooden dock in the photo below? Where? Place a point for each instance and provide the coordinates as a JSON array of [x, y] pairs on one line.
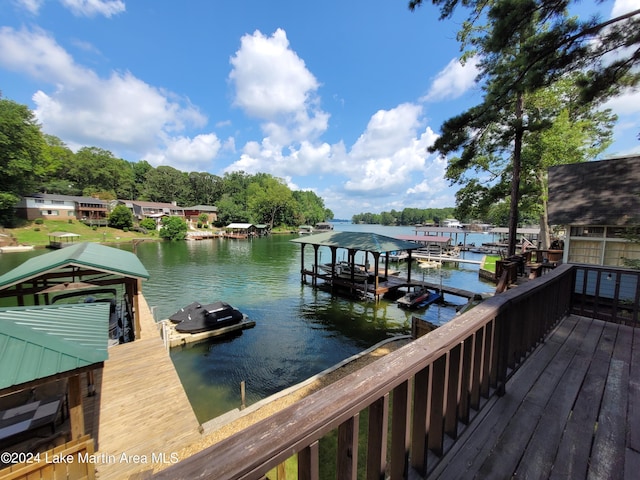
[[388, 285], [140, 416], [172, 338]]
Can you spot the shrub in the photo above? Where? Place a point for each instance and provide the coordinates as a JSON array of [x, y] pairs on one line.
[[39, 221]]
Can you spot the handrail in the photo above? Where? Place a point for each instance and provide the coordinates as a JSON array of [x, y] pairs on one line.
[[427, 388]]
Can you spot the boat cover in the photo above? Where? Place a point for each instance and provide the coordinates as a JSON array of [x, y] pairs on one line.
[[201, 318]]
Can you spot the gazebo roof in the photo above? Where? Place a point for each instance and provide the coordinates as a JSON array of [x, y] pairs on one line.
[[366, 242]]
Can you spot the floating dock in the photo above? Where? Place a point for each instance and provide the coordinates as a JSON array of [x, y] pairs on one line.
[[173, 338]]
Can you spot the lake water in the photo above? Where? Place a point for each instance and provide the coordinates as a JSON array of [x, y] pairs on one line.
[[299, 330]]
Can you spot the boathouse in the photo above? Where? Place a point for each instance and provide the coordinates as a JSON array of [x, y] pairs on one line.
[[598, 204], [372, 246], [45, 351], [81, 267]]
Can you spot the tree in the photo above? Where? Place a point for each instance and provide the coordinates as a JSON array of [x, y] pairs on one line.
[[121, 217], [268, 197], [23, 154], [173, 228], [528, 45], [165, 184]]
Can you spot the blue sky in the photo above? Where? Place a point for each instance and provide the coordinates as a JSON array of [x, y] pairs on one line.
[[340, 97]]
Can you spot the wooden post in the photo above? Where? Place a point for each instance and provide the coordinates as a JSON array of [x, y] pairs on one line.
[[76, 413], [242, 395]]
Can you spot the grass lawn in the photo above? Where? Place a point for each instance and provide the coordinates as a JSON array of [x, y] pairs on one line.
[[33, 234], [489, 263]]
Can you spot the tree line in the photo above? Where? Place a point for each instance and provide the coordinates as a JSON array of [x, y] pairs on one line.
[[32, 162], [408, 216]]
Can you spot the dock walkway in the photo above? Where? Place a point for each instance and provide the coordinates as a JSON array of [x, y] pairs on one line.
[[140, 412]]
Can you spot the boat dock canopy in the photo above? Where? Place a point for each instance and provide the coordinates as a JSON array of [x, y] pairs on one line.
[[91, 255], [367, 242], [51, 340]]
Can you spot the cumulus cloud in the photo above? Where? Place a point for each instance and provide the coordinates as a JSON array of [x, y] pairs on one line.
[[453, 81], [390, 150], [273, 84], [118, 112]]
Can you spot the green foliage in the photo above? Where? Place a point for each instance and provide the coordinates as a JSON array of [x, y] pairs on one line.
[[408, 216], [38, 162], [121, 217], [173, 228], [148, 224], [38, 221]]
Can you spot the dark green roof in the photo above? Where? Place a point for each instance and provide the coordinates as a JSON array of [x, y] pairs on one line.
[[92, 255], [37, 342], [366, 242]]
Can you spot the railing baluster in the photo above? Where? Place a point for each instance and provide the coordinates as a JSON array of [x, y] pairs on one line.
[[454, 375], [348, 449], [436, 405], [419, 428], [400, 431], [476, 376], [377, 442], [465, 380], [309, 462]]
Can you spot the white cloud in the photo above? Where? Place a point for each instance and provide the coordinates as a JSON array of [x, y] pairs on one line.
[[91, 8], [389, 152], [188, 154], [80, 8], [620, 7], [270, 79], [274, 85], [120, 112], [32, 6], [453, 81]]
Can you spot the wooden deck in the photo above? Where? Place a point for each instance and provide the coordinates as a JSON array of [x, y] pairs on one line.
[[140, 407], [572, 411]]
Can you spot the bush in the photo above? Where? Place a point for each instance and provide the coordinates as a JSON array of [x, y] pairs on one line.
[[121, 217], [39, 221], [173, 228], [148, 224]]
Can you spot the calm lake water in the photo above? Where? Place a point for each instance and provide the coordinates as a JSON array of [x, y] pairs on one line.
[[299, 331]]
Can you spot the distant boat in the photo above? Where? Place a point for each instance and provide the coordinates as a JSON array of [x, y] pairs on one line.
[[343, 270], [16, 248], [197, 318], [419, 298]]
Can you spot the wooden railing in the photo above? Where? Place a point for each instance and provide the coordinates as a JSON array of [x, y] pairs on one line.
[[607, 293], [73, 460], [417, 399]]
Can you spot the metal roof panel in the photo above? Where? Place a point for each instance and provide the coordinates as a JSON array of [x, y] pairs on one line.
[[86, 254], [36, 342]]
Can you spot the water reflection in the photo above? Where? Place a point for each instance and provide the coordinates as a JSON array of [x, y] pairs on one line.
[[299, 330]]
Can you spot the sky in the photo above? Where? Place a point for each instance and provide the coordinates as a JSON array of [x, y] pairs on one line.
[[339, 97]]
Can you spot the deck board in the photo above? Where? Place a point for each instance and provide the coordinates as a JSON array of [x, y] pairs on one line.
[[140, 407], [564, 414]]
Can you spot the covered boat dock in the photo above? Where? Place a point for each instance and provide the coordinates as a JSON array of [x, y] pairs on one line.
[[378, 278]]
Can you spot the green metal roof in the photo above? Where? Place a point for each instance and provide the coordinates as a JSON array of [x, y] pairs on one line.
[[93, 255], [37, 342], [366, 242]]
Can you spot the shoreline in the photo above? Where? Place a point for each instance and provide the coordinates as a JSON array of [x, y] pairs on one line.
[[234, 421]]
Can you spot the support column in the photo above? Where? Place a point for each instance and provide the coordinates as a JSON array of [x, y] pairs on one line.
[[76, 412]]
